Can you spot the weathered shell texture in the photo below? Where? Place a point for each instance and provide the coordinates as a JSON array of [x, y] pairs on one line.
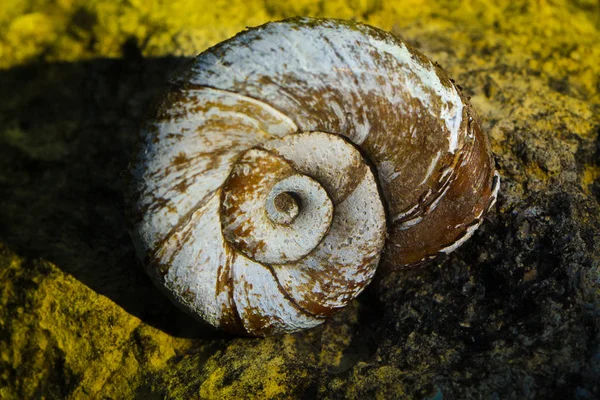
[[284, 163]]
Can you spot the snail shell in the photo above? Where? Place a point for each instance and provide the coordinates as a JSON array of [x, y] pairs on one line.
[[288, 162]]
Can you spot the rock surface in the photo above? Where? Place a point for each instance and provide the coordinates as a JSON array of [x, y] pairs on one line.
[[514, 313]]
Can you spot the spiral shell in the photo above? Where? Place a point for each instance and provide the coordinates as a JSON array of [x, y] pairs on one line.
[[285, 161]]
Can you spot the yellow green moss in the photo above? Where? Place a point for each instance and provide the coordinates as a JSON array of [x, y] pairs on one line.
[[533, 31], [244, 369], [269, 374], [59, 329], [591, 174]]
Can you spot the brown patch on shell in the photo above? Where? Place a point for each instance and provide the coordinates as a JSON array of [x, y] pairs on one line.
[[246, 185], [463, 204]]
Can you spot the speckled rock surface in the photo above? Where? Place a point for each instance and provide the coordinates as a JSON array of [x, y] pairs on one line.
[[515, 313]]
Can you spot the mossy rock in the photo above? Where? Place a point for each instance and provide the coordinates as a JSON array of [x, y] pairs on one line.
[[514, 313]]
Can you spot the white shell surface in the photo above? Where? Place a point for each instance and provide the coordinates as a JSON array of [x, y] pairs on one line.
[[187, 154], [258, 191], [329, 82]]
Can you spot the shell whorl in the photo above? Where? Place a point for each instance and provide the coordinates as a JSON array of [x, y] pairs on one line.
[[289, 160]]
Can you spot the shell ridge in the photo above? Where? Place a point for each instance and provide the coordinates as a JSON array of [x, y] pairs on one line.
[[237, 318], [251, 305], [183, 221], [288, 296], [251, 99]]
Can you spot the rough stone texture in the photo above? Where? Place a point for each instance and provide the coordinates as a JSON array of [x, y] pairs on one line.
[[515, 313]]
